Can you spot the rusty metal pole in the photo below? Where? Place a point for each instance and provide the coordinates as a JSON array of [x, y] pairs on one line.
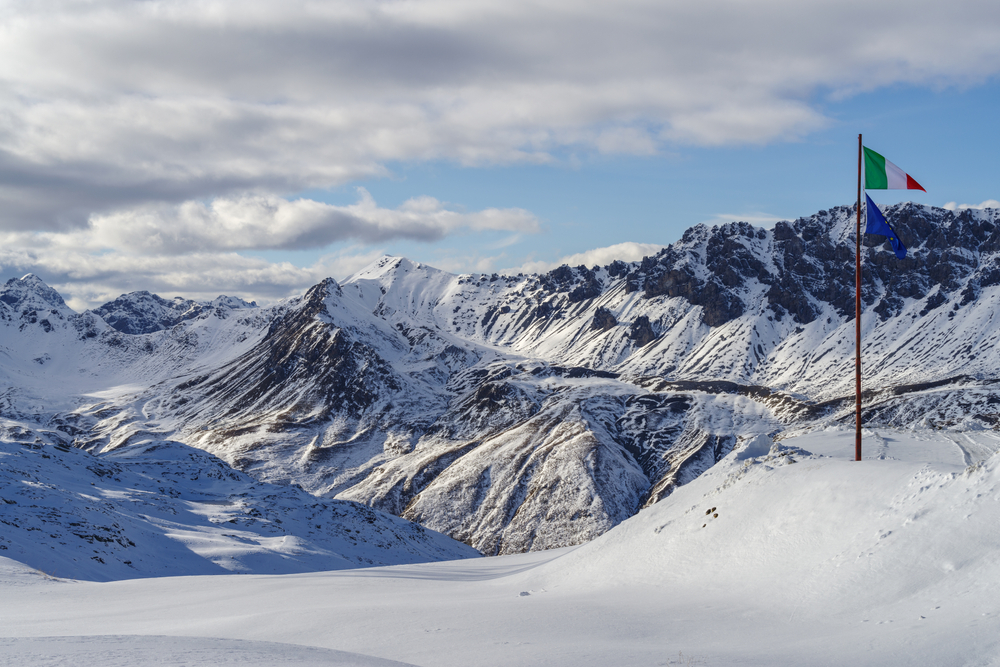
[[857, 320]]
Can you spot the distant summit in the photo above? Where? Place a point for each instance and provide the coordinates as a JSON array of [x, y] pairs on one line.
[[142, 312], [31, 292]]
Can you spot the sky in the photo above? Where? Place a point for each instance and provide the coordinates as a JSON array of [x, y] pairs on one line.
[[252, 148]]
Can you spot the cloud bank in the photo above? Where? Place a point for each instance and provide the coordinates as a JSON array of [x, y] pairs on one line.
[[989, 203], [109, 104], [154, 144], [626, 252], [259, 222], [194, 248]]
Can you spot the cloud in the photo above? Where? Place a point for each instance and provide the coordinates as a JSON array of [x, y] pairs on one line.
[[112, 104], [255, 222], [989, 203], [758, 219], [194, 248], [87, 281], [626, 252]]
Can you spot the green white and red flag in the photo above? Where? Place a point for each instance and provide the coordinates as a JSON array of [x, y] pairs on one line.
[[880, 174]]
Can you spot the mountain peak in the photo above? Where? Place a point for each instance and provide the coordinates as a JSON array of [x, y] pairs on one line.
[[143, 312], [388, 266], [234, 302], [31, 292]]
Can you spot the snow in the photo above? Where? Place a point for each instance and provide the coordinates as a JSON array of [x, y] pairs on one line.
[[784, 553], [129, 650], [413, 390], [476, 410], [163, 508]]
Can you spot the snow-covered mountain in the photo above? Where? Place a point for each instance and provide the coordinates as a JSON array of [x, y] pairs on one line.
[[164, 508], [142, 312], [527, 412]]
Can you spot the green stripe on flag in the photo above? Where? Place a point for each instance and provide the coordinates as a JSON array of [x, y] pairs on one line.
[[875, 178]]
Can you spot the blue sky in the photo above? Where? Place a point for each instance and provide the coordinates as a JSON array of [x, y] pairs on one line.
[[948, 139], [253, 148]]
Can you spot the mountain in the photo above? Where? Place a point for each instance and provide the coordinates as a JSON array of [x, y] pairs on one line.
[[527, 412], [142, 312], [163, 508]]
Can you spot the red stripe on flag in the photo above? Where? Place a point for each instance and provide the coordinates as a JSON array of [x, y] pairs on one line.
[[912, 184]]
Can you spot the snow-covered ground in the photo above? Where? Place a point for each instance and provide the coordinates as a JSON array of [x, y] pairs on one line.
[[783, 554], [157, 509]]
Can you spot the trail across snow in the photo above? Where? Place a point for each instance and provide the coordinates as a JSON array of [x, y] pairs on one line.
[[783, 554]]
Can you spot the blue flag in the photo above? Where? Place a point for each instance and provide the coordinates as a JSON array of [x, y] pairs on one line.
[[878, 225]]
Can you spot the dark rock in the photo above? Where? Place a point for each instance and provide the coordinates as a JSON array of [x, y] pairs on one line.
[[641, 331], [933, 301], [603, 319], [544, 310], [617, 268]]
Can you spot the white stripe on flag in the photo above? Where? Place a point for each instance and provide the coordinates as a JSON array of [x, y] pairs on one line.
[[895, 176]]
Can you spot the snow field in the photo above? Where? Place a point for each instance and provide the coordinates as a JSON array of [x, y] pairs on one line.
[[155, 509], [813, 559]]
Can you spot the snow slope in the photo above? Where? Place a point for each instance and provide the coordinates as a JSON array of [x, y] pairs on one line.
[[813, 559], [130, 650], [156, 509]]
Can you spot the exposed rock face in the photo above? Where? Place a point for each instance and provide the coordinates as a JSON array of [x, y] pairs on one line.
[[641, 331], [29, 301], [142, 312], [604, 320], [580, 283], [304, 368], [514, 412]]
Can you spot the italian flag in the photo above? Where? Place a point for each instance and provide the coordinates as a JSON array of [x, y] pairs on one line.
[[880, 174]]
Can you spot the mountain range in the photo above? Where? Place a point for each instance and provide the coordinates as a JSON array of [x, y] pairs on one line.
[[526, 412]]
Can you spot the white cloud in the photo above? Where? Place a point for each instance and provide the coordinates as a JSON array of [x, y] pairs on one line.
[[626, 252], [758, 219], [109, 104], [86, 281], [92, 279], [145, 145], [191, 249], [254, 222], [989, 203]]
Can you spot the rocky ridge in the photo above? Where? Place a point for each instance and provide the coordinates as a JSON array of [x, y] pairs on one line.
[[534, 411]]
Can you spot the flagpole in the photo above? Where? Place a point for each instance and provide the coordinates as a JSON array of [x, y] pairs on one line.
[[857, 320]]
